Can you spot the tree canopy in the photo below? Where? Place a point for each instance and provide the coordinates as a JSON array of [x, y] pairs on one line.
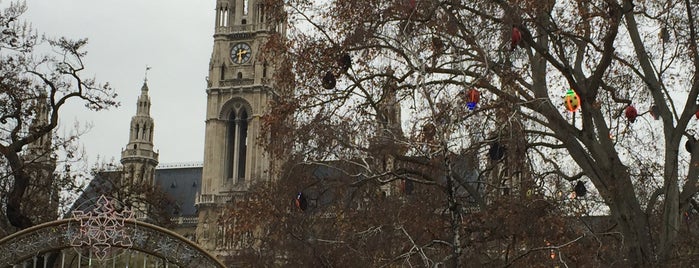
[[542, 96], [38, 77]]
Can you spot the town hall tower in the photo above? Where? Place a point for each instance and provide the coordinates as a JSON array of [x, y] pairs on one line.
[[238, 93]]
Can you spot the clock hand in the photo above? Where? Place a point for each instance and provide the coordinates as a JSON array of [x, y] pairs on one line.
[[240, 55]]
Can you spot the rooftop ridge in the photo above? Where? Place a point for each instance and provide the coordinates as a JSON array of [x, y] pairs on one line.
[[173, 165]]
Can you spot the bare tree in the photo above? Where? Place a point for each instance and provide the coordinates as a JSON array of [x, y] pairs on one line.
[[568, 91], [33, 88]]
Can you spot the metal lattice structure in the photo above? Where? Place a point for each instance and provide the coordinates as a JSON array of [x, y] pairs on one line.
[[144, 237], [101, 228]]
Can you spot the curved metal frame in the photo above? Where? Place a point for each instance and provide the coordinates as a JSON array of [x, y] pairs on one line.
[[148, 238]]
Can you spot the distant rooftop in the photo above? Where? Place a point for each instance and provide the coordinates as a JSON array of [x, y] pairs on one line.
[[180, 165]]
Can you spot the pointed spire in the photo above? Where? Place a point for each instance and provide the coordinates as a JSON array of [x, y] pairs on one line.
[[145, 77]]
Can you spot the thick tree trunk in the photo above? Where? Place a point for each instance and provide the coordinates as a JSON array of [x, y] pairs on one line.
[[632, 221], [14, 201], [670, 221]]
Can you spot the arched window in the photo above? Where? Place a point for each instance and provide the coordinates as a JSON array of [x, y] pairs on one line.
[[230, 141], [237, 140], [223, 71], [264, 69], [243, 142]]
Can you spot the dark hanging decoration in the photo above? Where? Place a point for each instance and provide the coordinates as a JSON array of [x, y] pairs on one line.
[[655, 112], [412, 4], [301, 201], [329, 80], [689, 145], [516, 37], [472, 98], [580, 189], [344, 62], [407, 186], [697, 114], [497, 151], [664, 35], [437, 45], [631, 113]]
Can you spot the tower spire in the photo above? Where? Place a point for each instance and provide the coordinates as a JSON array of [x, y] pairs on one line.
[[139, 159], [145, 77]]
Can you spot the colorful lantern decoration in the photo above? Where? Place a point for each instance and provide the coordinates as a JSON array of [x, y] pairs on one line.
[[329, 80], [472, 98], [345, 62], [301, 201], [580, 189], [496, 151], [572, 100], [654, 112], [516, 37], [631, 113]]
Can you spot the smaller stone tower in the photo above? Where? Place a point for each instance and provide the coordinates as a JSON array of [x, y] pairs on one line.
[[41, 162], [139, 159]]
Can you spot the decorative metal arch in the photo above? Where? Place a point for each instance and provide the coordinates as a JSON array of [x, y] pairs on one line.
[[145, 237]]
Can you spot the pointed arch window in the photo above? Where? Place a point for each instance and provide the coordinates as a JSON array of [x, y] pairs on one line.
[[237, 143]]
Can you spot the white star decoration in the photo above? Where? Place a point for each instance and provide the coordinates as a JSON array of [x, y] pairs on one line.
[[102, 228]]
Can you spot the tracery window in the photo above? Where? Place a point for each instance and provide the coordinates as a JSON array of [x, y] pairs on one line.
[[237, 142]]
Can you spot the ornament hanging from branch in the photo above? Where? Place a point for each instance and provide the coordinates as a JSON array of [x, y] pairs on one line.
[[689, 145], [580, 189], [654, 112], [496, 151], [572, 101], [329, 81], [301, 202], [516, 37], [472, 98], [631, 113], [407, 186], [344, 62]]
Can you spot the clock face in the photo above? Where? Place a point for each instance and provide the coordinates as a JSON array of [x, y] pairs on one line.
[[240, 53]]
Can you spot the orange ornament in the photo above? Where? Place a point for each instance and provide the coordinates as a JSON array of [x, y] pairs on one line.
[[572, 100], [472, 98]]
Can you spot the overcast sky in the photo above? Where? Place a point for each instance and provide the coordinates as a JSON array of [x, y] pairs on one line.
[[174, 37]]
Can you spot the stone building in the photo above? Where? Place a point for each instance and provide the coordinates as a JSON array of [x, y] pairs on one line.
[[238, 94]]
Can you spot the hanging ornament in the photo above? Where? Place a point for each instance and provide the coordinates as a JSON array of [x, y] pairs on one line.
[[496, 151], [572, 100], [472, 98], [329, 80], [689, 145], [664, 35], [631, 113], [697, 114], [412, 4], [407, 186], [580, 189], [655, 112], [516, 37], [344, 62], [301, 201]]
